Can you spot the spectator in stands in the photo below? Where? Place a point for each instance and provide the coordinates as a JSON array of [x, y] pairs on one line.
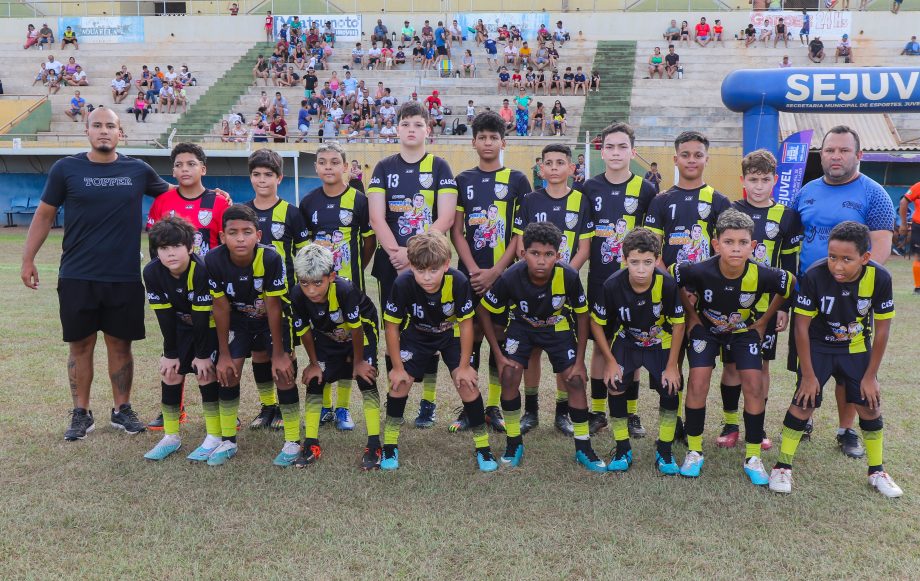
[[656, 64], [260, 71], [540, 81], [530, 79], [144, 81], [507, 114], [685, 33], [31, 37], [766, 31], [269, 26], [373, 56], [672, 32], [558, 118], [429, 56], [456, 34], [279, 105], [524, 55], [544, 35], [568, 79], [703, 32], [515, 33], [42, 76], [805, 30], [750, 35], [234, 9], [127, 78], [912, 48], [303, 121], [844, 50], [278, 128], [653, 176], [595, 84], [407, 33], [54, 82], [672, 61], [560, 34], [278, 71], [168, 98], [224, 130], [896, 6], [427, 33], [186, 78], [119, 88], [781, 33], [69, 68], [785, 63], [491, 51], [717, 31], [386, 55], [436, 115], [510, 53], [55, 65], [581, 81], [504, 80], [141, 109], [77, 107], [380, 32], [239, 133], [516, 80], [539, 120], [329, 34], [69, 37], [153, 92], [388, 133], [522, 114], [418, 54], [77, 79], [400, 57], [432, 100], [481, 32], [45, 36], [541, 57], [553, 55], [579, 176], [467, 64], [357, 55], [555, 82], [816, 50]]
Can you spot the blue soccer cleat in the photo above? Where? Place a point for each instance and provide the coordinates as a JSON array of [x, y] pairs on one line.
[[287, 455], [326, 415], [754, 469], [486, 461], [669, 468], [343, 420], [693, 463], [390, 462], [201, 453], [590, 461], [222, 454], [164, 448], [620, 464], [512, 459]]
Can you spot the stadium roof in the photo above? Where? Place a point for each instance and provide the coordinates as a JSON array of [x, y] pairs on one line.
[[876, 131]]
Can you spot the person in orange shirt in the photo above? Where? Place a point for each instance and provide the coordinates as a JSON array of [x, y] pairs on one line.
[[911, 197]]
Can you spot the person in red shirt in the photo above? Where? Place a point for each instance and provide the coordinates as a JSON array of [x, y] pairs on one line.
[[703, 33], [432, 100], [911, 197], [269, 26], [278, 129], [717, 30]]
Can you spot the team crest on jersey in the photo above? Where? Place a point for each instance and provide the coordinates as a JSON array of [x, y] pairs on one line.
[[862, 305], [772, 229], [501, 190], [511, 346], [699, 345], [230, 337], [571, 218], [257, 283], [405, 355], [703, 208], [277, 230], [557, 301], [336, 316], [191, 296], [746, 299], [426, 180], [656, 309], [447, 309], [630, 204], [204, 217], [345, 217]]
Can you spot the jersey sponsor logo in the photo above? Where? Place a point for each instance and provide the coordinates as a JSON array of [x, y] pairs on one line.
[[631, 204], [277, 230], [405, 355], [107, 182], [656, 310], [447, 182], [336, 316], [699, 345], [862, 305], [746, 299], [447, 309], [571, 218], [345, 217], [204, 298], [602, 311], [257, 284], [426, 180], [153, 297], [772, 229], [204, 217], [887, 304], [391, 307], [501, 190], [511, 346], [650, 219], [375, 180], [557, 301], [703, 209]]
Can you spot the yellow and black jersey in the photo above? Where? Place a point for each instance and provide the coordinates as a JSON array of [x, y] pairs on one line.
[[543, 308], [437, 313], [686, 222], [184, 301], [246, 287], [345, 308], [282, 226], [842, 312], [641, 319], [569, 213]]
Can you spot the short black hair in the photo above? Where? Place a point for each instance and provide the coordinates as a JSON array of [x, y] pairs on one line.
[[841, 129], [488, 121], [641, 240], [854, 232], [542, 233], [688, 136], [239, 212], [268, 159], [411, 109], [557, 148], [192, 148], [619, 128], [171, 231]]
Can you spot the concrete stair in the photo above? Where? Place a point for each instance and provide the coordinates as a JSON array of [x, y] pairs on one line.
[[612, 102]]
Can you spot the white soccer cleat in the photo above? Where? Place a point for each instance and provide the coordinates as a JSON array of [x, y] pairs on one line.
[[781, 480], [882, 482]]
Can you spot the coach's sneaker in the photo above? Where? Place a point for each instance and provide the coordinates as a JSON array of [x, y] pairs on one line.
[[781, 480], [486, 460], [390, 460], [125, 419], [289, 452], [371, 459], [885, 485], [81, 423], [309, 455], [169, 444], [693, 463], [597, 421], [850, 445], [157, 424], [425, 417], [753, 467], [203, 452], [529, 421], [495, 419], [326, 415], [265, 417], [343, 421], [666, 466], [729, 436], [222, 454], [634, 423], [620, 463], [514, 453], [589, 459], [462, 422], [564, 424]]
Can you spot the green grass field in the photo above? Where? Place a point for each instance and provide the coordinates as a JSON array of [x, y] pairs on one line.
[[96, 509]]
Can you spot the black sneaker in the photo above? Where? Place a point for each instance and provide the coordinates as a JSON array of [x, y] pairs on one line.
[[529, 421], [371, 459], [425, 417], [850, 444], [809, 428], [125, 419], [634, 423], [265, 417], [495, 419], [680, 434], [462, 423], [917, 291], [157, 424], [309, 454], [81, 423], [597, 421], [564, 424]]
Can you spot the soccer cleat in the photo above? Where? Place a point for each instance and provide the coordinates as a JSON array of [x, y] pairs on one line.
[[309, 455], [486, 460], [512, 458], [597, 421], [461, 423], [882, 482], [766, 444], [201, 453], [693, 463], [590, 461], [634, 423], [809, 427], [494, 419], [850, 445], [326, 415], [157, 424], [753, 467], [621, 463], [667, 467], [371, 459], [564, 425], [917, 290], [265, 417], [125, 419], [729, 436], [425, 417], [183, 417], [287, 455], [343, 420], [529, 421], [781, 480], [222, 453], [390, 462], [81, 423], [277, 421], [164, 448]]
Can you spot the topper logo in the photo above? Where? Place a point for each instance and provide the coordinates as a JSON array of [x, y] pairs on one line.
[[850, 86]]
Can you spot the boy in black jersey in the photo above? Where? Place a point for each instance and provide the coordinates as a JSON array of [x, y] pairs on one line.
[[249, 288], [727, 287], [618, 200], [778, 232], [839, 301], [489, 196], [538, 294], [178, 292], [282, 227], [337, 325], [336, 217], [568, 210], [430, 310], [640, 308], [409, 193]]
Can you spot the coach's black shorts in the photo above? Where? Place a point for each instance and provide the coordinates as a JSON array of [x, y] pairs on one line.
[[442, 50], [185, 339], [248, 335], [89, 306], [417, 350], [632, 359], [743, 349], [336, 359], [847, 369], [559, 346], [915, 239]]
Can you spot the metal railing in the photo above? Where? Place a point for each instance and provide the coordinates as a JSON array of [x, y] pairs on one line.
[[40, 100]]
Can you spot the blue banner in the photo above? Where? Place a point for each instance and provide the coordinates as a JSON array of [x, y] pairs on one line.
[[104, 29], [790, 166]]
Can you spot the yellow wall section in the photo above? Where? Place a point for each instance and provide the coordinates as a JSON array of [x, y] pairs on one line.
[[10, 109]]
